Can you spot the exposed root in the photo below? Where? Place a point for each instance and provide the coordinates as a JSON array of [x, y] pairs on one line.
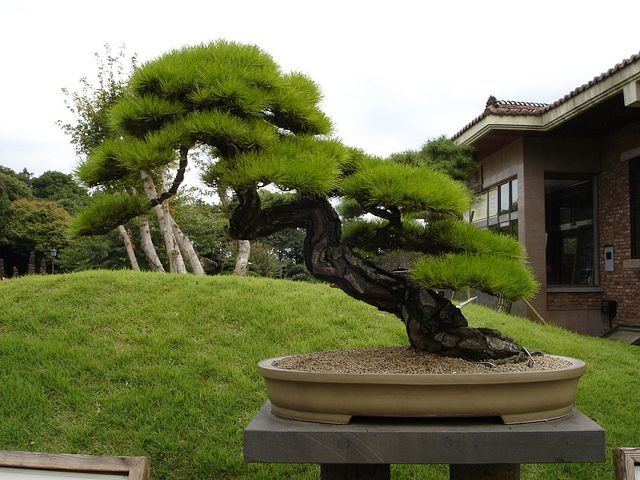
[[477, 345]]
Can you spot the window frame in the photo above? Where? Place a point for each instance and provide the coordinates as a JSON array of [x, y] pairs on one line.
[[594, 224], [634, 208], [495, 222]]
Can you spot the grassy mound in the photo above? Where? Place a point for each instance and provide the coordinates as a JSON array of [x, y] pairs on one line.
[[123, 363]]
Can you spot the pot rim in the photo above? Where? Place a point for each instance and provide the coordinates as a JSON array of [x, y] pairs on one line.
[[575, 370]]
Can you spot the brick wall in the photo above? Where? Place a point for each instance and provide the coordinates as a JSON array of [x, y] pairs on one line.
[[623, 284], [574, 301]]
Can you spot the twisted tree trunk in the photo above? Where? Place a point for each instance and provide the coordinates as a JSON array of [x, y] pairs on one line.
[[432, 322], [243, 246], [146, 243], [185, 245], [176, 263], [128, 246]]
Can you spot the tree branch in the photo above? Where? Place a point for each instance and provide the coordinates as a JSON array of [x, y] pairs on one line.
[[177, 181], [393, 216]]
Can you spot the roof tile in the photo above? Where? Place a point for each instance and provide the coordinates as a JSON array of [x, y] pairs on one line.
[[510, 107]]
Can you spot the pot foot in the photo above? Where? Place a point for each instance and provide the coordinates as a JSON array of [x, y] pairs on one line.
[[536, 416], [318, 417]]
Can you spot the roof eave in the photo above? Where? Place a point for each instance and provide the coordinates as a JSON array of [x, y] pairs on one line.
[[559, 112]]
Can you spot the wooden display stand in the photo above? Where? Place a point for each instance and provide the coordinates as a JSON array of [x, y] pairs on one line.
[[474, 448]]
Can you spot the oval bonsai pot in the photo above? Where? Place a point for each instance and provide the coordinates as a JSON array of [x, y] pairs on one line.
[[336, 397]]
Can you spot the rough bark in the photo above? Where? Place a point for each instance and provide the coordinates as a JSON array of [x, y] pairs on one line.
[[242, 258], [243, 246], [503, 305], [146, 244], [184, 244], [128, 246], [186, 247], [176, 263], [432, 322]]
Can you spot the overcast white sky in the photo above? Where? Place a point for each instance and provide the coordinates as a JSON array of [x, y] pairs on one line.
[[394, 73]]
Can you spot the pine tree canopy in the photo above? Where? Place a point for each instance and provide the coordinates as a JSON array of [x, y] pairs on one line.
[[264, 128]]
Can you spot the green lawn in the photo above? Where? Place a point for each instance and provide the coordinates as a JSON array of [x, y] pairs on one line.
[[124, 363]]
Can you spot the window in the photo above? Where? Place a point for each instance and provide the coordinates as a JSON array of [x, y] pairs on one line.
[[497, 209], [570, 232], [634, 191]]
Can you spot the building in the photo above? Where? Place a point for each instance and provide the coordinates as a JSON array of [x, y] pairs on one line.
[[565, 178]]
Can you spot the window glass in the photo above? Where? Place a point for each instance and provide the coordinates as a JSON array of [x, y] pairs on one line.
[[569, 214], [498, 204], [493, 202], [480, 208], [514, 227], [505, 200], [514, 195]]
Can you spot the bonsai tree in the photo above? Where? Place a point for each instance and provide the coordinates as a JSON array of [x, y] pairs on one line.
[[264, 128]]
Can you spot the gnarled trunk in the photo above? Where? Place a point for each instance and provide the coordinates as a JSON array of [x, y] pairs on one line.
[[185, 245], [176, 263], [147, 245], [432, 322], [128, 246], [242, 257], [243, 246]]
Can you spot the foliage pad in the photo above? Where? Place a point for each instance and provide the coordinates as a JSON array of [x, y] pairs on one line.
[[263, 128]]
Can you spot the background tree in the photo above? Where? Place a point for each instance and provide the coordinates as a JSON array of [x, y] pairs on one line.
[[266, 129], [89, 106], [95, 252], [13, 186], [60, 188], [34, 225], [205, 224], [440, 154], [90, 128], [66, 192]]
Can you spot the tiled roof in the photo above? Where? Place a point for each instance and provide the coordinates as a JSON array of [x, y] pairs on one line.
[[509, 107]]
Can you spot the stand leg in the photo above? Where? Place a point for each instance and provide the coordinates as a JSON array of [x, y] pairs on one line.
[[353, 471], [496, 471]]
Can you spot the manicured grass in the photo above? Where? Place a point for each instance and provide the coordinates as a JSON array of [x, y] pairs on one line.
[[124, 363]]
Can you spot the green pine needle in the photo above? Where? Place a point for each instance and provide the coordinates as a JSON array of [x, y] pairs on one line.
[[489, 273], [103, 165], [138, 115], [451, 235], [379, 183], [105, 213], [303, 164]]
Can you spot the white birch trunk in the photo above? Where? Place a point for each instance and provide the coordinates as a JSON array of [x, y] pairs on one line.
[[176, 263], [242, 259], [185, 245], [168, 219], [147, 245], [128, 246]]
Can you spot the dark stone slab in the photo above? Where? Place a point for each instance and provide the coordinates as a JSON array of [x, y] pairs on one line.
[[484, 472], [575, 438], [341, 471]]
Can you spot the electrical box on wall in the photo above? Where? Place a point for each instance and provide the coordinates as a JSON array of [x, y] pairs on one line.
[[610, 307], [608, 258]]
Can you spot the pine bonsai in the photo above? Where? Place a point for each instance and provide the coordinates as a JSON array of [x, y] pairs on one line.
[[264, 128]]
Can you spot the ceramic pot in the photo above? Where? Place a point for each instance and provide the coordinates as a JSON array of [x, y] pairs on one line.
[[335, 398]]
